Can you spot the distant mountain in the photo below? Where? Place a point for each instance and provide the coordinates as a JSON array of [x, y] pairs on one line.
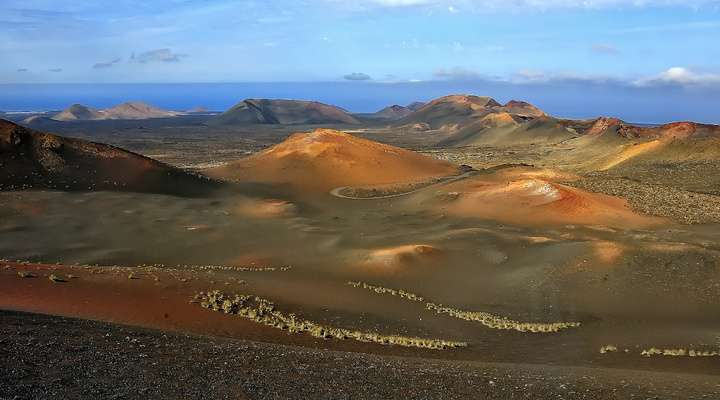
[[79, 112], [288, 112], [136, 110], [451, 111], [675, 130], [521, 108], [505, 129], [393, 112], [130, 110], [36, 120], [414, 106], [33, 159]]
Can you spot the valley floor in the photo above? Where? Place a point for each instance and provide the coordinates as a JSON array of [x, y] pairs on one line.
[[60, 358]]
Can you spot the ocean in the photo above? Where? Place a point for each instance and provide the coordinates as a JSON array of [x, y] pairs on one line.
[[562, 99]]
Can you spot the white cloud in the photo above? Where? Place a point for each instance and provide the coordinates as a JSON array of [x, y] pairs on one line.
[[274, 20], [459, 74], [604, 48], [159, 55], [484, 5], [679, 76], [402, 3], [538, 76], [676, 76], [357, 76], [679, 27], [105, 65], [495, 48]]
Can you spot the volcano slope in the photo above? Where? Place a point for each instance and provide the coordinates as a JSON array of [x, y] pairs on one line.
[[533, 198], [666, 170], [287, 112], [487, 252], [325, 159], [33, 159]]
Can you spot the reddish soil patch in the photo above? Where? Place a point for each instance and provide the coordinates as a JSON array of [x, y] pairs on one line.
[[538, 202], [325, 159]]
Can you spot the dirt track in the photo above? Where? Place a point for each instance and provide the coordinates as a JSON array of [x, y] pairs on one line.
[[337, 192]]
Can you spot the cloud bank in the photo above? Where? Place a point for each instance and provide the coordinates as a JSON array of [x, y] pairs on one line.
[[679, 76], [479, 5], [105, 65], [158, 55], [357, 76]]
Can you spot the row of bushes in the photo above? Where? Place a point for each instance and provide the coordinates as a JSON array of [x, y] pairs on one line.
[[264, 312], [384, 290], [665, 352], [487, 319], [242, 269], [679, 353]]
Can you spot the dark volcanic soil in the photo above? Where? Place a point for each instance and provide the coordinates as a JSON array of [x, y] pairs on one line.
[[44, 357]]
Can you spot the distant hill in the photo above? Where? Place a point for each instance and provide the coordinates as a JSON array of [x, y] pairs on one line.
[[33, 159], [136, 110], [521, 108], [393, 112], [505, 129], [129, 110], [37, 120], [325, 159], [451, 111], [674, 130], [455, 112], [79, 112], [416, 105], [288, 112]]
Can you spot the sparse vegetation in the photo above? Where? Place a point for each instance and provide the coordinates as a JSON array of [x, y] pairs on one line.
[[679, 352], [384, 290], [608, 349], [243, 268], [56, 279], [487, 319], [264, 312], [25, 274]]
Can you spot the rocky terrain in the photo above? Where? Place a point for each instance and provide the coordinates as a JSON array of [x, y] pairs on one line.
[[59, 358], [466, 249], [33, 159]]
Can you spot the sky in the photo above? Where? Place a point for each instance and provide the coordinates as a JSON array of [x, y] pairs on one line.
[[629, 44]]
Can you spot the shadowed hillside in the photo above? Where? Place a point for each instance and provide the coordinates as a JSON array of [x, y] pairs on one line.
[[33, 159]]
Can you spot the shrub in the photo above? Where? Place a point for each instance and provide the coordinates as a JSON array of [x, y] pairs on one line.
[[487, 319], [264, 312]]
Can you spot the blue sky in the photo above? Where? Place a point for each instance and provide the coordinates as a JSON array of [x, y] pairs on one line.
[[644, 60], [638, 42]]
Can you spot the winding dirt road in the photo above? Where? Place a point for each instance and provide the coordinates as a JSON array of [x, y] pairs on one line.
[[337, 192]]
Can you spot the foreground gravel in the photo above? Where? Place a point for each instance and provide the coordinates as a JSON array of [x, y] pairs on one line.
[[44, 357], [664, 201]]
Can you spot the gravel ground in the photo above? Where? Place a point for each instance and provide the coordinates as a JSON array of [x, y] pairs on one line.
[[44, 357], [681, 205]]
